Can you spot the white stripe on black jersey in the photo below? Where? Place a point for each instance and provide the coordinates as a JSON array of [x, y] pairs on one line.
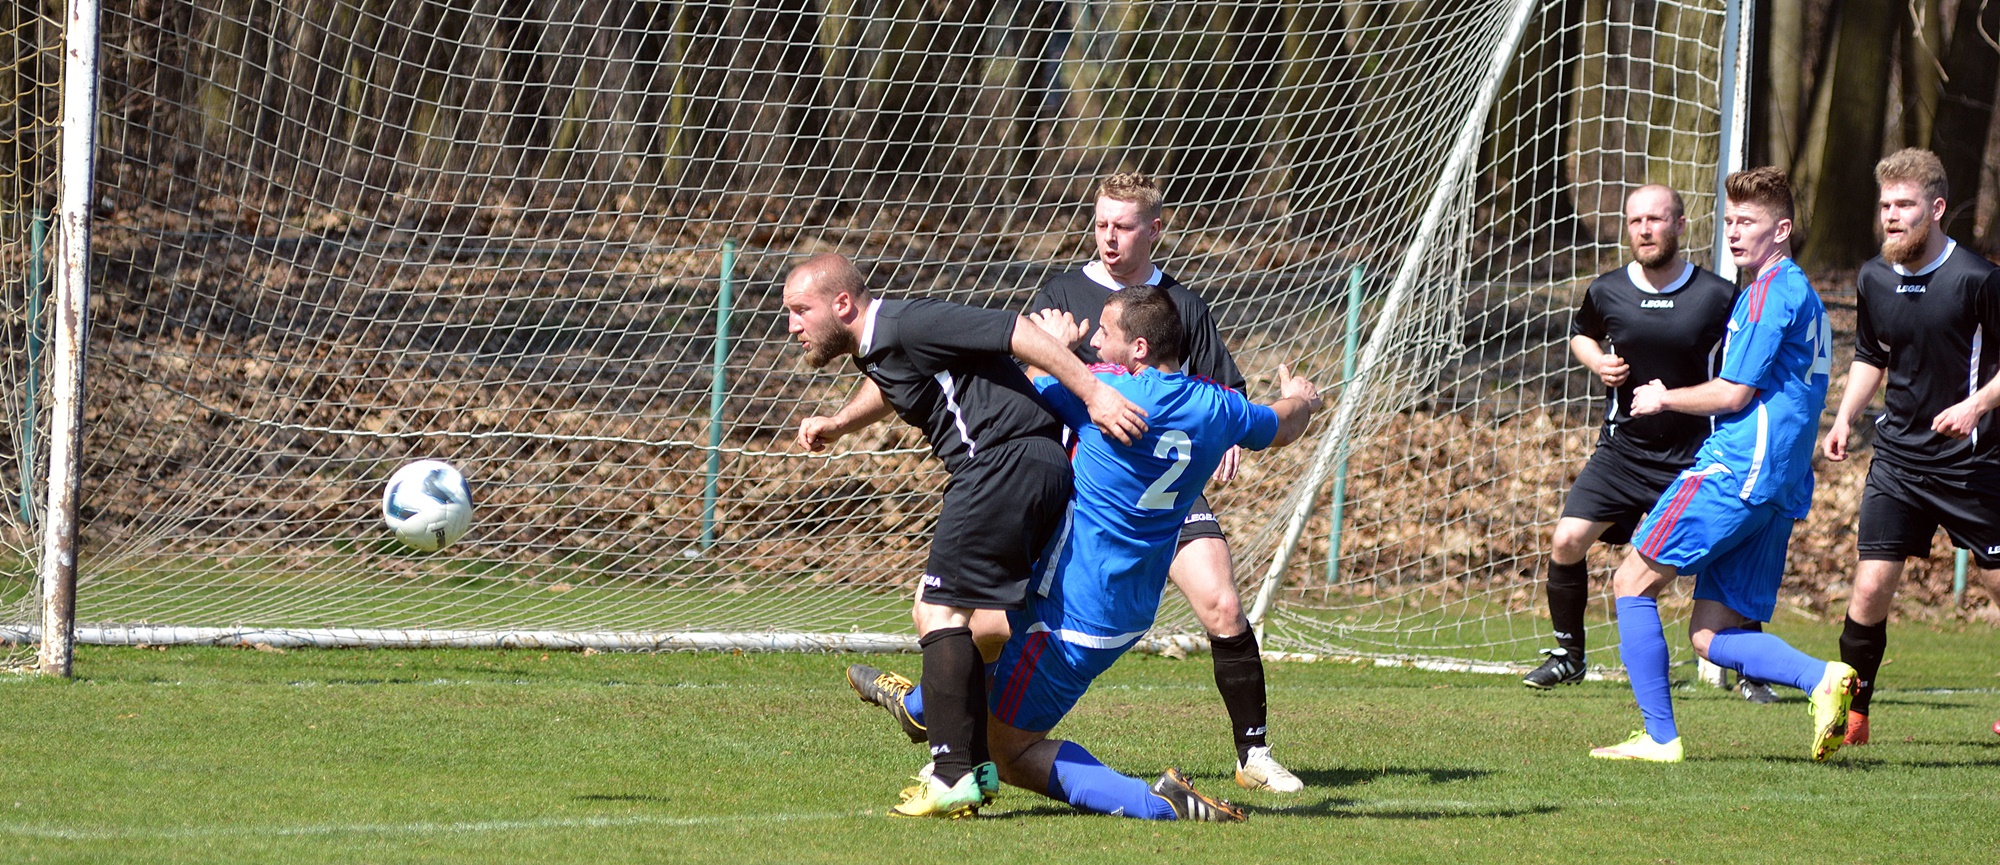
[[1928, 330], [1669, 334], [946, 368]]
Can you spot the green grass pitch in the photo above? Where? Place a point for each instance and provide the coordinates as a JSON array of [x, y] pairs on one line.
[[233, 755]]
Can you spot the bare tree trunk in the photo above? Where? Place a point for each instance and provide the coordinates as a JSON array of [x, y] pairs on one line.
[[1837, 179], [1965, 109], [1777, 88], [1923, 56]]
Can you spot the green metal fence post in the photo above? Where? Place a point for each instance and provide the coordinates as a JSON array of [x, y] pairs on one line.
[[1350, 338], [717, 388], [38, 237]]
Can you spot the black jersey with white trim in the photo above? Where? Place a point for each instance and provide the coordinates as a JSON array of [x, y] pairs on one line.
[[1936, 333], [1673, 334], [1082, 293], [946, 368]]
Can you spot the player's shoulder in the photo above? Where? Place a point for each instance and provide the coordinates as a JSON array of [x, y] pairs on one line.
[[1610, 285], [1709, 281], [1969, 264], [1071, 281], [1876, 273]]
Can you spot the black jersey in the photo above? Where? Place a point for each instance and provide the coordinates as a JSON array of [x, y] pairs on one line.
[[1934, 332], [1076, 293], [1672, 334], [946, 368]]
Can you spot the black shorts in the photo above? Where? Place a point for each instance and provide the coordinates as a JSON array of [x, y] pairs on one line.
[[1616, 489], [1901, 510], [999, 511], [1200, 523]]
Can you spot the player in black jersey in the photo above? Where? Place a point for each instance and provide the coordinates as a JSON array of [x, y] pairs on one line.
[[1928, 322], [1662, 318], [1127, 221], [946, 369]]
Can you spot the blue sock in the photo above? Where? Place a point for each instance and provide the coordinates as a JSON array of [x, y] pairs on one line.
[[1765, 657], [1642, 642], [914, 702], [1088, 785]]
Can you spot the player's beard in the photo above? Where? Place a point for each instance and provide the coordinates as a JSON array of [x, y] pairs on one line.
[[829, 343], [1668, 247], [1907, 250]]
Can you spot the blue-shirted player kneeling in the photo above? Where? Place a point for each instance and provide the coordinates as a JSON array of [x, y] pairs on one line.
[[1097, 589], [1728, 519]]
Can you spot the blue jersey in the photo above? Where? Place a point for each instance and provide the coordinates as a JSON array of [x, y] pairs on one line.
[[1103, 575], [1780, 343]]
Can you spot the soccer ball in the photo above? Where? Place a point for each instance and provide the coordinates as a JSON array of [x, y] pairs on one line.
[[427, 505]]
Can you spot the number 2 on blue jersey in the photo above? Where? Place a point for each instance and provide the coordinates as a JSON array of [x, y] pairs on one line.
[[1174, 445]]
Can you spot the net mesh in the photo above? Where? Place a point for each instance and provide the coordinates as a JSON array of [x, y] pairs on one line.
[[336, 235]]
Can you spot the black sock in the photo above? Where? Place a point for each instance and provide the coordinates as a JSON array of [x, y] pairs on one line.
[[1239, 675], [1569, 596], [1862, 647], [953, 678]]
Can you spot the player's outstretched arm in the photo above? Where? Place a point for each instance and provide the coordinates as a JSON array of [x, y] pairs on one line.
[[1115, 415], [1962, 417], [1713, 397], [865, 407], [1297, 400], [1863, 380]]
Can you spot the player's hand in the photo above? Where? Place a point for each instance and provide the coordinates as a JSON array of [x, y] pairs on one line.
[[1297, 387], [1062, 326], [1115, 415], [1835, 445], [1959, 420], [1226, 470], [1613, 370], [815, 433], [1649, 398]]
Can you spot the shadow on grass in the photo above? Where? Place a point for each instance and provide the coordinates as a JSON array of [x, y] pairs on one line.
[[1322, 778], [618, 797], [1352, 809]]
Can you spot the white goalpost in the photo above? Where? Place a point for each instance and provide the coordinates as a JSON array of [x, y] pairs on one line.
[[544, 242]]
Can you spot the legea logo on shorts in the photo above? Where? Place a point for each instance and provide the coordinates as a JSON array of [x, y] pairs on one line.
[[933, 581], [1993, 551]]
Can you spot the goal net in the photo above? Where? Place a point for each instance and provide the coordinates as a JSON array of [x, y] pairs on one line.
[[544, 241]]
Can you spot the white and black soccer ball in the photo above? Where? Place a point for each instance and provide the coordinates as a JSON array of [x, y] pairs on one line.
[[427, 504]]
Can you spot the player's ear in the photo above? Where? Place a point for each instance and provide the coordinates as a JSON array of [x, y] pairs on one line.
[[1937, 209], [1141, 352], [1783, 232]]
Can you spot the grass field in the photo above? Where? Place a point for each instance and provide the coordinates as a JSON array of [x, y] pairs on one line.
[[232, 755]]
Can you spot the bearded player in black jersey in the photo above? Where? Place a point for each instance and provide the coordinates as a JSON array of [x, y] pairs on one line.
[[1127, 221], [946, 369], [1662, 318], [1928, 321]]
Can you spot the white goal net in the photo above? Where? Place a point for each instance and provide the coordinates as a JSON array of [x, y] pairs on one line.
[[544, 241]]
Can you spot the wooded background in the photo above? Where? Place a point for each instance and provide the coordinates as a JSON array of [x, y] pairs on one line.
[[1838, 84]]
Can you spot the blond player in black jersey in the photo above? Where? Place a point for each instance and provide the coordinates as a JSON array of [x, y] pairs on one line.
[[1927, 323]]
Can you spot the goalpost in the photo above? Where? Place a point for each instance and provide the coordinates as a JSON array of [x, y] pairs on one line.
[[544, 243]]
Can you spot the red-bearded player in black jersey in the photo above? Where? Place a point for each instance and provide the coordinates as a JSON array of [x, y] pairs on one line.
[[1927, 320], [1128, 219], [945, 368], [1662, 318]]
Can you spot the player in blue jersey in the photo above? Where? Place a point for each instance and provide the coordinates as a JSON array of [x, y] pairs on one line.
[[1097, 587], [1727, 519]]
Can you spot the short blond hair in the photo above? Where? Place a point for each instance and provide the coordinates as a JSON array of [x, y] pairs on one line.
[[1914, 165], [1132, 187]]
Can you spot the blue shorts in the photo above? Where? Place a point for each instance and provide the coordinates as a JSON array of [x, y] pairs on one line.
[[1736, 550], [1043, 671]]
